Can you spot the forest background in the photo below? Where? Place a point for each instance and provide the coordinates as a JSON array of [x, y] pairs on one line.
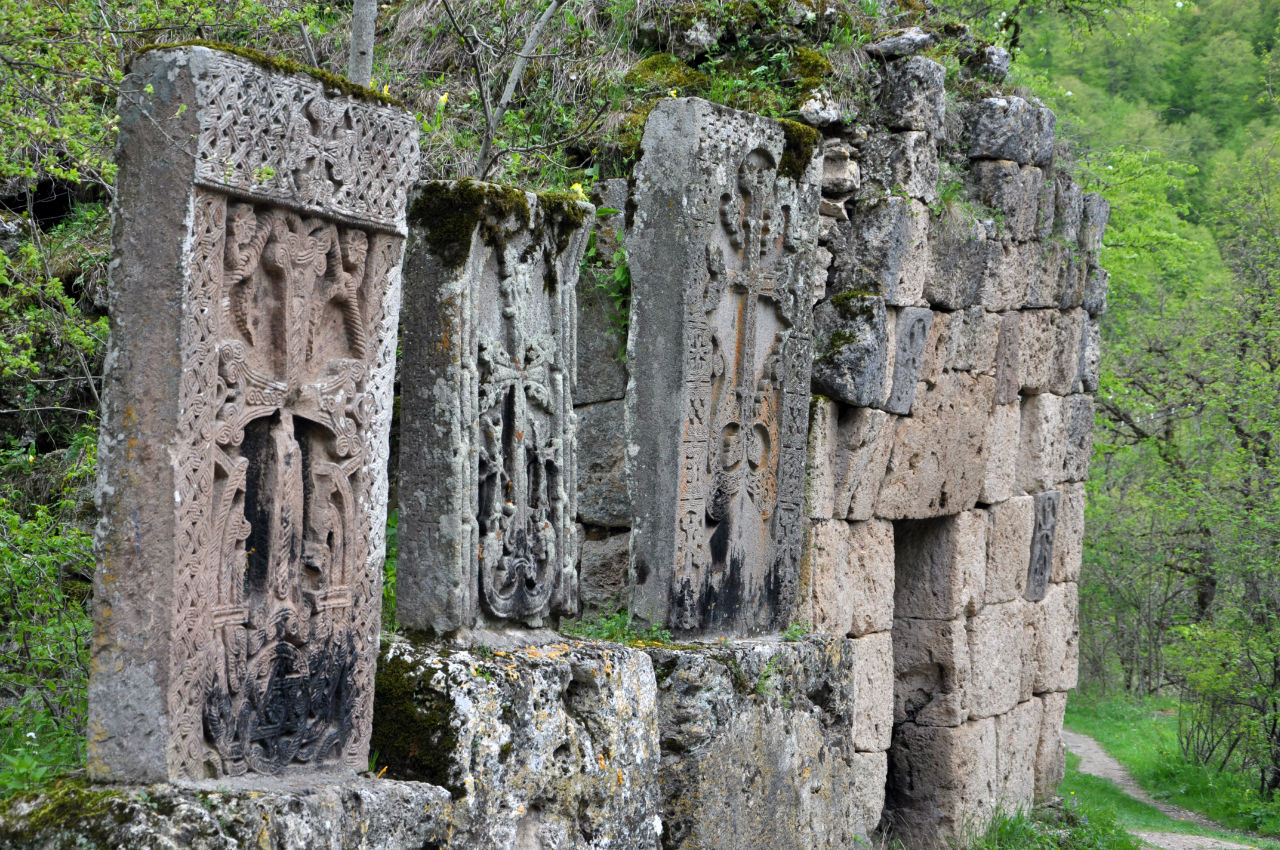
[[1172, 109]]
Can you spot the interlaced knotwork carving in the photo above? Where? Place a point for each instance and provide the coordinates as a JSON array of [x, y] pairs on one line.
[[743, 444], [277, 573], [283, 138]]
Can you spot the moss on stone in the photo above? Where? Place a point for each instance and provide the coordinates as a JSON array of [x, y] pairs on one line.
[[412, 731], [797, 152], [810, 64], [450, 211], [60, 804], [288, 66], [565, 212], [664, 72]]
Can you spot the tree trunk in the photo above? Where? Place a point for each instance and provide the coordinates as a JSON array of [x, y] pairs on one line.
[[363, 16]]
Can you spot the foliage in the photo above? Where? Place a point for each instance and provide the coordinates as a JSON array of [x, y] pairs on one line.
[[796, 631], [1143, 735], [617, 628], [45, 564]]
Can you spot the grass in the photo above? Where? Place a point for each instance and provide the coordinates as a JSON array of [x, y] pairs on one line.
[[1070, 826], [1143, 736]]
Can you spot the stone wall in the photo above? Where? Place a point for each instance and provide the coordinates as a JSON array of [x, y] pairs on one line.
[[843, 459]]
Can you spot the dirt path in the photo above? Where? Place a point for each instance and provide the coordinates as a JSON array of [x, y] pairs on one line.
[[1096, 761]]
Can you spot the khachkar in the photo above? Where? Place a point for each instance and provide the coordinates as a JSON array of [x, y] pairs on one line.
[[721, 258], [259, 228], [487, 484]]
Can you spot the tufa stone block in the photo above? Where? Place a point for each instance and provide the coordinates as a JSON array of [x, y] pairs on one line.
[[913, 96], [873, 724], [1068, 535], [931, 670], [1001, 451], [602, 372], [853, 575], [852, 346], [1077, 451], [1048, 350], [721, 251], [820, 459], [1010, 527], [602, 478], [259, 225], [1058, 640], [940, 565], [863, 443], [1011, 128], [1051, 755], [929, 477], [911, 335], [488, 483], [996, 637], [602, 572], [1017, 740], [900, 162], [1041, 444]]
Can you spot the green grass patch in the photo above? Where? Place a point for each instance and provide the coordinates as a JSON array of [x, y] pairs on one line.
[[1143, 736], [1072, 825]]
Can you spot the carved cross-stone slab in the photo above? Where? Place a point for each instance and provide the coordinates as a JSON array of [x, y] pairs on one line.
[[720, 352], [259, 227], [487, 451]]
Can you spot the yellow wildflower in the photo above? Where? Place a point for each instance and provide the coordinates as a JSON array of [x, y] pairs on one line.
[[576, 191], [673, 92]]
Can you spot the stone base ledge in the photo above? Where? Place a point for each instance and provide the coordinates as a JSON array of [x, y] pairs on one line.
[[356, 813]]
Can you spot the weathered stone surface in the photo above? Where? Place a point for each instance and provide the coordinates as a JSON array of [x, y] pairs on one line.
[[942, 781], [1013, 272], [873, 725], [931, 669], [1001, 451], [864, 441], [940, 565], [1058, 640], [1048, 350], [900, 162], [602, 572], [927, 476], [1008, 359], [1013, 191], [721, 252], [1010, 526], [487, 445], [1095, 291], [1042, 539], [934, 359], [602, 480], [559, 741], [323, 815], [853, 568], [996, 637], [959, 253], [1017, 740], [255, 289], [909, 41], [852, 345], [841, 176], [1068, 206], [972, 339], [1041, 444], [602, 372], [1011, 128], [820, 459], [1093, 222], [913, 96], [1068, 535], [1090, 357], [762, 721], [911, 335], [884, 251], [991, 62], [1077, 450], [1051, 755]]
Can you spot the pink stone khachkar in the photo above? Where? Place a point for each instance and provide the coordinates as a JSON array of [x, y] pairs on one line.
[[259, 227]]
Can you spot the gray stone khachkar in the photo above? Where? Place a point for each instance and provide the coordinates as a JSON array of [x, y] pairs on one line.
[[259, 228], [487, 484], [721, 255]]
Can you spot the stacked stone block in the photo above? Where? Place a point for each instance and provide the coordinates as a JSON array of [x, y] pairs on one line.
[[956, 345]]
